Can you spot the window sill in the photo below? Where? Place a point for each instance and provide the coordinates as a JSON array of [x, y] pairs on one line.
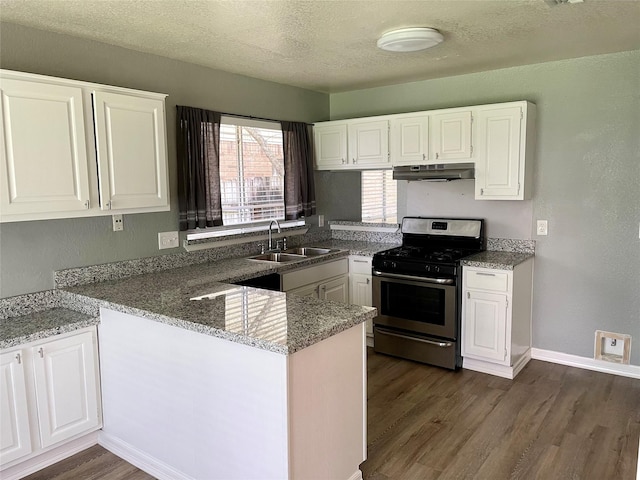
[[222, 236]]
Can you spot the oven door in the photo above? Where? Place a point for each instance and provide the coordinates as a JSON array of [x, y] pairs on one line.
[[415, 304]]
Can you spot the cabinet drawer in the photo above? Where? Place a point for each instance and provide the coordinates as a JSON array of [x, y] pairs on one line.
[[359, 264], [494, 280]]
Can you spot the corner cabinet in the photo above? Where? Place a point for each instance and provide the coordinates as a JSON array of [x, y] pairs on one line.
[[505, 148], [74, 149], [352, 145], [496, 319], [50, 396]]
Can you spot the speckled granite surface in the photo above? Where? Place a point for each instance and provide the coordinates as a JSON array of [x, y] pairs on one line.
[[35, 326], [29, 303], [273, 321], [496, 260], [365, 249], [511, 245]]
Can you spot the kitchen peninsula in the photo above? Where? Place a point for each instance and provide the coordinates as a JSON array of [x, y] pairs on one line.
[[203, 379]]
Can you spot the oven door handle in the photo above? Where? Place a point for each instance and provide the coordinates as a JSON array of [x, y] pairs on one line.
[[415, 339], [440, 281]]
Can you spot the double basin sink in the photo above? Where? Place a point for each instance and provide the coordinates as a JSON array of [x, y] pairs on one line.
[[291, 254]]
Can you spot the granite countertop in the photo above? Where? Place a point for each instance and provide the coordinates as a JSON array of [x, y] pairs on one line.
[[195, 298], [365, 249], [496, 260], [36, 326]]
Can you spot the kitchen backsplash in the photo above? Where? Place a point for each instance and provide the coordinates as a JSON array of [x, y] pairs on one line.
[[511, 245]]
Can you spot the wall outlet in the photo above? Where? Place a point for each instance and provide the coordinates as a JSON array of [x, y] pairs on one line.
[[321, 220], [118, 223], [542, 227], [168, 240]]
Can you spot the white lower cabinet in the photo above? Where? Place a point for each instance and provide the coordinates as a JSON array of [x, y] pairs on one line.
[[50, 394], [15, 440], [326, 281], [360, 284], [496, 319]]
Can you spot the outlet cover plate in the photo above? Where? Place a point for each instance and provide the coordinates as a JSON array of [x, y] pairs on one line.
[[168, 240], [118, 223], [542, 227]]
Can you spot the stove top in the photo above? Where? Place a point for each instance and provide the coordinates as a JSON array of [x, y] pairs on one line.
[[432, 246]]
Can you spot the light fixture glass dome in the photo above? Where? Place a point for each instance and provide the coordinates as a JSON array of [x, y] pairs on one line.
[[410, 39]]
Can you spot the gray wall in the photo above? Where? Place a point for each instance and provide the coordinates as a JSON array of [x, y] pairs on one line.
[[31, 251], [586, 183]]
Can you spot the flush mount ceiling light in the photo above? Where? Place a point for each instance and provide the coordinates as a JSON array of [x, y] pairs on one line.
[[410, 39]]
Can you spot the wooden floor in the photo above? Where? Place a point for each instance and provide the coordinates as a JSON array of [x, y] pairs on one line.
[[551, 422]]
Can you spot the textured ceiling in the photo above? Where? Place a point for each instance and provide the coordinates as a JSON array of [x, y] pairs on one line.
[[330, 46]]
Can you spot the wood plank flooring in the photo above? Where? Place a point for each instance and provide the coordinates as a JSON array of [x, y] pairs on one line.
[[551, 422]]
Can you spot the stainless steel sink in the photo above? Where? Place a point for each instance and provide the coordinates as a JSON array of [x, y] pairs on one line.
[[277, 257], [309, 251]]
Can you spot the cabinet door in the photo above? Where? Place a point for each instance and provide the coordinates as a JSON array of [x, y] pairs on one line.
[[15, 439], [331, 145], [132, 155], [360, 289], [484, 326], [409, 140], [43, 149], [369, 144], [498, 153], [66, 387], [451, 136], [336, 290]]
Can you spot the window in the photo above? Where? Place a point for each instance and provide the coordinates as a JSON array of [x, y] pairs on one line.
[[251, 171], [379, 197]]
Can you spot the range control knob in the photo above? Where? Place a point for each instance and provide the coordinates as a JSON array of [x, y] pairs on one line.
[[436, 269], [427, 268]]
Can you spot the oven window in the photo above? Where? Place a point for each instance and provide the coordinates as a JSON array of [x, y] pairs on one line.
[[413, 302]]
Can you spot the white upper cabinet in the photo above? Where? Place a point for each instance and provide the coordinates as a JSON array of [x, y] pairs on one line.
[[352, 145], [369, 143], [57, 163], [451, 139], [505, 144], [330, 140], [43, 149], [409, 139], [131, 151]]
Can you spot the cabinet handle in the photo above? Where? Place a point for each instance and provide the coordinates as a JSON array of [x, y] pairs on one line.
[[41, 352], [19, 358], [86, 204], [109, 204], [355, 160], [468, 294], [424, 157], [368, 281], [437, 155], [360, 261], [343, 161], [486, 274], [482, 191]]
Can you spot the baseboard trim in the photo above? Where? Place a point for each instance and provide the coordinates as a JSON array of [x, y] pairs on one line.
[[140, 459], [48, 458], [631, 371], [495, 369]]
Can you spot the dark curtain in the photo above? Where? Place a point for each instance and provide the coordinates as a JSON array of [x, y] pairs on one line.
[[198, 168], [299, 188]]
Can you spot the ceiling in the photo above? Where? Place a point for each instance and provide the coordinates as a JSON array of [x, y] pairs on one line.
[[330, 45]]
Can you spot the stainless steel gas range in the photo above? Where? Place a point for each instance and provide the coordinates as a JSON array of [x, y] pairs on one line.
[[417, 289]]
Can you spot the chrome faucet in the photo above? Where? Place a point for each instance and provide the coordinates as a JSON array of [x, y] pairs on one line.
[[270, 246]]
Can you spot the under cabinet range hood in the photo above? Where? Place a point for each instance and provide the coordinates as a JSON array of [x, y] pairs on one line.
[[441, 172]]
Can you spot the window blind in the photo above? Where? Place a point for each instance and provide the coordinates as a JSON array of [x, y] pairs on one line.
[[379, 197]]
